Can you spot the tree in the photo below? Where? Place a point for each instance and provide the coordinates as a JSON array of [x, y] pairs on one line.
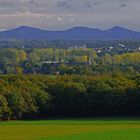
[[4, 109], [16, 105]]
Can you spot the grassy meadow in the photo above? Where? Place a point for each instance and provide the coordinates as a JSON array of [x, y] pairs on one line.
[[89, 129]]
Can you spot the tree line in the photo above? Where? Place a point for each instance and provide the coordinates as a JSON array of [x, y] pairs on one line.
[[25, 61], [131, 44], [41, 97]]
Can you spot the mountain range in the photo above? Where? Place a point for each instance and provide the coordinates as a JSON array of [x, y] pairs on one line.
[[76, 33]]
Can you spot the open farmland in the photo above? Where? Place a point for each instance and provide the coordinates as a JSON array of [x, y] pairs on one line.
[[97, 129]]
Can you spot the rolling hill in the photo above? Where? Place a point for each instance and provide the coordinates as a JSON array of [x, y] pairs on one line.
[[76, 33]]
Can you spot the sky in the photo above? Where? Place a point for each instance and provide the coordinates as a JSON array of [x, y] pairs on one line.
[[64, 14]]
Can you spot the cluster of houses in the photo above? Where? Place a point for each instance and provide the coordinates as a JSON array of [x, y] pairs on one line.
[[120, 48], [56, 64]]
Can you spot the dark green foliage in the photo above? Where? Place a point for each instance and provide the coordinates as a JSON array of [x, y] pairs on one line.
[[40, 96], [4, 109]]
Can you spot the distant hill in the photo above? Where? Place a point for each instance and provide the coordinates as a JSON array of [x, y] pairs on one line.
[[76, 33]]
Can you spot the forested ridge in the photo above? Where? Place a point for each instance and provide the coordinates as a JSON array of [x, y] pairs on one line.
[[41, 97]]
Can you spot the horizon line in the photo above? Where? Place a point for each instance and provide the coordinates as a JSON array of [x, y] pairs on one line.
[[43, 29]]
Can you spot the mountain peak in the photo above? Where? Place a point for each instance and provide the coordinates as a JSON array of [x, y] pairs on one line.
[[117, 27], [79, 28], [25, 27]]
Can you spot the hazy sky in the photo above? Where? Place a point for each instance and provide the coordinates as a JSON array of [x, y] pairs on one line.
[[63, 14]]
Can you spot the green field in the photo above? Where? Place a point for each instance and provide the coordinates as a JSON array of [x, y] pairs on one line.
[[89, 129]]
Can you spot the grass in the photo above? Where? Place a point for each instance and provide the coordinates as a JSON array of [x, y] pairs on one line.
[[82, 129]]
